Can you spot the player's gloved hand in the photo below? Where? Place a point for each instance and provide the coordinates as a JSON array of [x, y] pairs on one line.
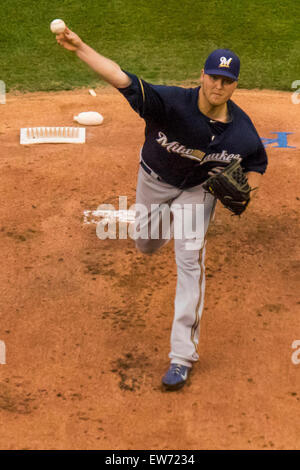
[[230, 186], [69, 40], [215, 171]]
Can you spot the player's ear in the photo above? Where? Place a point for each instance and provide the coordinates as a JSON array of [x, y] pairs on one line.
[[202, 76]]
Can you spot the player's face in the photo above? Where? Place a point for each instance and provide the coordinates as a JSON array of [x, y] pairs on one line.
[[217, 89]]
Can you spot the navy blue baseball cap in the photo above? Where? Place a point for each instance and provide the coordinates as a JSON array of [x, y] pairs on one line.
[[223, 62]]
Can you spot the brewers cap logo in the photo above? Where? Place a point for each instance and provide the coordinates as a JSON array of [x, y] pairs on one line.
[[225, 62]]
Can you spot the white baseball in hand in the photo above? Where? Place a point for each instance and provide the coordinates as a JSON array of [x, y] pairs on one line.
[[57, 26]]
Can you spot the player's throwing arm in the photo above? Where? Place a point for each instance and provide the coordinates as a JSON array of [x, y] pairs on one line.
[[106, 68]]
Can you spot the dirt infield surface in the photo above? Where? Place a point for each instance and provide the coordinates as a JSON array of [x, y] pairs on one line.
[[86, 323]]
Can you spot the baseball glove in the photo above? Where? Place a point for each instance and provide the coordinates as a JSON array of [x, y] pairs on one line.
[[230, 186]]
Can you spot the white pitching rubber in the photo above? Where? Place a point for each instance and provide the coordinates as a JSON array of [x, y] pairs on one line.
[[94, 217], [90, 118], [52, 135]]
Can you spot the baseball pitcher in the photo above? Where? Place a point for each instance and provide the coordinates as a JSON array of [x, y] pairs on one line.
[[199, 147]]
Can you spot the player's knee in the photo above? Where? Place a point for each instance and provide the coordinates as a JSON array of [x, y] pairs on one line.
[[145, 247], [188, 261]]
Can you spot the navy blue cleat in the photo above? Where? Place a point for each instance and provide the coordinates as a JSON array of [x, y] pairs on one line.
[[176, 377]]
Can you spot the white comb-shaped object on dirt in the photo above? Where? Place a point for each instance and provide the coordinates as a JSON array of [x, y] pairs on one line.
[[52, 135]]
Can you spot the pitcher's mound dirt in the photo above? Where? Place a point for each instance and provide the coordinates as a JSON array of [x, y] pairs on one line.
[[86, 323]]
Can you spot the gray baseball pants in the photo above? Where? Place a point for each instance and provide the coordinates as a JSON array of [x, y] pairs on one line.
[[190, 212]]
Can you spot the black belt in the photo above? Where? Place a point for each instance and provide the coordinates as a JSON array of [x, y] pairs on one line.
[[149, 171]]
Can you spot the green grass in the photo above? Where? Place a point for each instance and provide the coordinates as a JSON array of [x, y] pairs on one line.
[[164, 41]]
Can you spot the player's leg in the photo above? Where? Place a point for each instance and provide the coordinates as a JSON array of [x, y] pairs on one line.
[[189, 300], [153, 223]]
